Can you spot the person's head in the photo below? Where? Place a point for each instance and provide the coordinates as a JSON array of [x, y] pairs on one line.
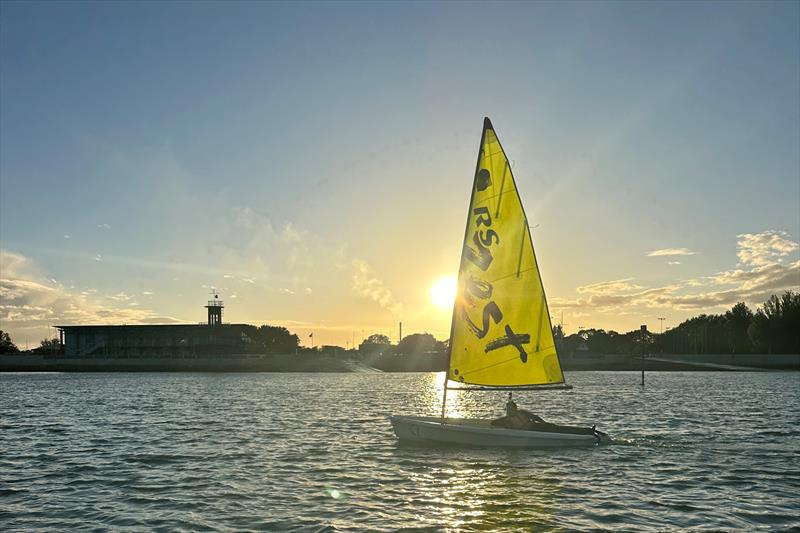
[[511, 406]]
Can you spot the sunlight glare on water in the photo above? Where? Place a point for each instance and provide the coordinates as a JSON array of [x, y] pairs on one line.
[[316, 451]]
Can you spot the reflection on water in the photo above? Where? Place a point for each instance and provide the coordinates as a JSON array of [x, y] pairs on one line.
[[302, 452], [458, 405], [481, 492]]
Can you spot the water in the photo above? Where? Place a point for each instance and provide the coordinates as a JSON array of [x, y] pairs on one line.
[[316, 452]]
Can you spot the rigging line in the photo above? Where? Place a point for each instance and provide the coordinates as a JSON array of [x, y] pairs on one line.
[[513, 274], [491, 167], [539, 331], [522, 247], [502, 186], [489, 155], [485, 199], [524, 270]]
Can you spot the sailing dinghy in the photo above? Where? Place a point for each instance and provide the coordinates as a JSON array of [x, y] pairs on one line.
[[501, 337]]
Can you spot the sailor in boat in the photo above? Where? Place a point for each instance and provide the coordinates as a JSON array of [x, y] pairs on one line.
[[517, 418]]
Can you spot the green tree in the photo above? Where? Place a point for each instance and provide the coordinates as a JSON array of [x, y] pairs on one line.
[[700, 334], [376, 343], [6, 345], [776, 325], [738, 321], [273, 339], [417, 343], [48, 346], [558, 334], [378, 338]]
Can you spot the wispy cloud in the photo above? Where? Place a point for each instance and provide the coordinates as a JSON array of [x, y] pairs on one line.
[[670, 252], [30, 302], [673, 262], [120, 297], [267, 246], [608, 287], [367, 285]]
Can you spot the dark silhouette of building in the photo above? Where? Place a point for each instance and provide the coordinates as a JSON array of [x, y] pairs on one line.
[[161, 340]]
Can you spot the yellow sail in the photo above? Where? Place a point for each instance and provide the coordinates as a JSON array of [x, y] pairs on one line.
[[501, 331]]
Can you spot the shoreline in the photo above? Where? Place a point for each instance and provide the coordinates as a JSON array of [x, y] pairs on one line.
[[403, 363]]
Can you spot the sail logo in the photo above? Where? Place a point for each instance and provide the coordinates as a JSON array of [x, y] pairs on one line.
[[476, 290]]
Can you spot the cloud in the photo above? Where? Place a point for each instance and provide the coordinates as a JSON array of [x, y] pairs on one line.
[[308, 290], [104, 226], [253, 238], [609, 301], [673, 262], [284, 290], [765, 248], [120, 297], [98, 257], [609, 287], [148, 293], [670, 252], [761, 279], [765, 275], [366, 285], [30, 302]]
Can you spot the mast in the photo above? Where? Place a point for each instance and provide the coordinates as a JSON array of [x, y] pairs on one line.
[[487, 124]]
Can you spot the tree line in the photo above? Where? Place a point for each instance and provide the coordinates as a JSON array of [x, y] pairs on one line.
[[414, 344], [774, 328], [45, 345]]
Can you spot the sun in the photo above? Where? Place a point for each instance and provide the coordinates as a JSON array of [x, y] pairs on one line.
[[443, 292]]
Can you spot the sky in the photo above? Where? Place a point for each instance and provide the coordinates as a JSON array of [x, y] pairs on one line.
[[313, 161]]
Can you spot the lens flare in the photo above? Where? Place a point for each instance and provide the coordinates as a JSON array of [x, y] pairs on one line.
[[443, 292]]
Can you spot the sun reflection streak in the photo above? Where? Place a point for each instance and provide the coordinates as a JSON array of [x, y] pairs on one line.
[[466, 494], [456, 405]]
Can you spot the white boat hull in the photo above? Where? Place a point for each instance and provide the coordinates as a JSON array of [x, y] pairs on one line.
[[480, 432]]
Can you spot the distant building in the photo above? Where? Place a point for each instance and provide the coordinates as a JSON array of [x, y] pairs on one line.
[[169, 340]]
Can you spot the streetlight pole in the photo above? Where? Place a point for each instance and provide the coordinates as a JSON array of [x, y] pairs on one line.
[[642, 335]]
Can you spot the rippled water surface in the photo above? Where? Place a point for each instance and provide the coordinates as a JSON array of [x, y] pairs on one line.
[[316, 452]]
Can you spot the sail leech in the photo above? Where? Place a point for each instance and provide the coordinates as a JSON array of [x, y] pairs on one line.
[[499, 335]]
